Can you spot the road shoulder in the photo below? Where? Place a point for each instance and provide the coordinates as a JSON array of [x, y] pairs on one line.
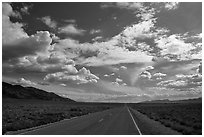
[[149, 126]]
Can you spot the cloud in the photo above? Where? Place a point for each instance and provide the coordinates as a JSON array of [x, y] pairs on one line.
[[174, 47], [71, 29], [25, 82], [25, 9], [11, 31], [117, 56], [71, 69], [100, 53], [112, 74], [134, 6], [142, 10], [114, 18], [171, 70], [118, 80], [7, 10], [115, 83], [171, 5], [123, 67], [146, 74], [64, 85], [123, 5], [80, 77], [43, 83], [131, 34], [159, 74], [49, 22], [149, 68], [200, 68], [70, 20], [183, 82], [95, 31], [173, 83], [39, 42], [97, 38]]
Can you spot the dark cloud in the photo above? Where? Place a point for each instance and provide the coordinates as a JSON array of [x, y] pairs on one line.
[[200, 68], [27, 46]]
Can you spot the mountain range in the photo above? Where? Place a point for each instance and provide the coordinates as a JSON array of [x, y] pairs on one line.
[[195, 100], [20, 92]]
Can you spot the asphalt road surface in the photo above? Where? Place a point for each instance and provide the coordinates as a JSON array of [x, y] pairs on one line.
[[116, 121]]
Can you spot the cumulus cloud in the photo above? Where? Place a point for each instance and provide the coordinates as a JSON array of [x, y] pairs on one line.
[[190, 76], [7, 10], [71, 29], [118, 80], [11, 31], [39, 42], [173, 83], [149, 68], [62, 84], [159, 74], [100, 53], [123, 67], [174, 47], [80, 77], [112, 74], [131, 34], [183, 82], [24, 82], [49, 22], [171, 5], [115, 83], [146, 74]]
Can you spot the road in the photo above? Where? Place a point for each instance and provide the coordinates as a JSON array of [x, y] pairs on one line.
[[116, 121]]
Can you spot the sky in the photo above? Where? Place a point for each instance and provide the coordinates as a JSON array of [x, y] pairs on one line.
[[105, 52]]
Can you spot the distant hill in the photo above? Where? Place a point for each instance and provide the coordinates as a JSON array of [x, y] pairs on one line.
[[196, 100], [20, 92]]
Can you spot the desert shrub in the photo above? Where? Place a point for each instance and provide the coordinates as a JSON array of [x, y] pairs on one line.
[[21, 115], [185, 118]]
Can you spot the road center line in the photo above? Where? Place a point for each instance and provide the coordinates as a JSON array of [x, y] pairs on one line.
[[134, 121]]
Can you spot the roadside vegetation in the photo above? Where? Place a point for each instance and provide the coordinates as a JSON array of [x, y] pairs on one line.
[[185, 118], [22, 114]]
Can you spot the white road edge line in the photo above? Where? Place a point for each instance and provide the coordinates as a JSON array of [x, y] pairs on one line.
[[134, 122]]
